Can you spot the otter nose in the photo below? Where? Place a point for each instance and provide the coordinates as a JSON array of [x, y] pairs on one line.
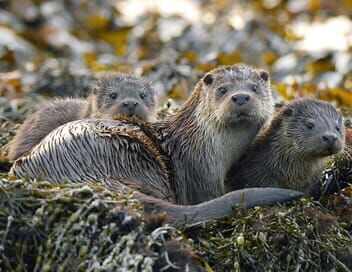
[[129, 104], [241, 99], [330, 138]]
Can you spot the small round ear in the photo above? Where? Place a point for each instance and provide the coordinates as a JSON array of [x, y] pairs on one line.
[[288, 112], [264, 75], [208, 79]]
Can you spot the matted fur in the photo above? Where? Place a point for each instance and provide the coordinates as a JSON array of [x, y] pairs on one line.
[[200, 145], [46, 119]]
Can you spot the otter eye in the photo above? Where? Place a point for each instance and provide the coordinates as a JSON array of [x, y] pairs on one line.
[[222, 90], [254, 88], [142, 95], [310, 125], [113, 96], [338, 127]]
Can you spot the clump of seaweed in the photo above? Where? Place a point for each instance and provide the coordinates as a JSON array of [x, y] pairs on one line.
[[47, 227], [338, 175], [299, 237]]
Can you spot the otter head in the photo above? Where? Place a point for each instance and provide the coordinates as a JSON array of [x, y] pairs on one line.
[[314, 128], [122, 94], [238, 94]]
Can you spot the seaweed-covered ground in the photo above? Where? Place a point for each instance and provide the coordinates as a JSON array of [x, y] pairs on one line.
[[46, 227], [56, 48]]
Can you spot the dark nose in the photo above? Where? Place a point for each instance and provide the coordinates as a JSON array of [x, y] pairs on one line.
[[240, 99], [129, 104], [330, 138]]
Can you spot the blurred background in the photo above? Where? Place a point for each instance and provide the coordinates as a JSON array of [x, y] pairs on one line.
[[54, 48]]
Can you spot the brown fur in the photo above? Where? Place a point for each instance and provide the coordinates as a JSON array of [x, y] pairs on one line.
[[99, 104], [38, 125], [291, 152], [181, 161], [207, 134]]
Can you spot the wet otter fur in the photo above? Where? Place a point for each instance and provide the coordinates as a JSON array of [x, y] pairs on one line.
[[179, 161], [292, 152], [113, 94]]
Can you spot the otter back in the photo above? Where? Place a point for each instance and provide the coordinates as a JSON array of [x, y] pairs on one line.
[[38, 125], [78, 152]]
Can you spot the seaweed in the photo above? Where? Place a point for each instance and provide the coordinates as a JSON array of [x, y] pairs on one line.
[[84, 227], [299, 237], [46, 227]]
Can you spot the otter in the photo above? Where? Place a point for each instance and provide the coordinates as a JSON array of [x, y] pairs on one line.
[[121, 94], [113, 94], [176, 164], [292, 151]]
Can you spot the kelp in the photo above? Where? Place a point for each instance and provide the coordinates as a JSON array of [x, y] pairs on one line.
[[299, 237], [46, 227], [84, 227]]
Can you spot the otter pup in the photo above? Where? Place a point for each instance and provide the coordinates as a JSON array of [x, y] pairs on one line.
[[182, 159], [113, 94], [291, 153]]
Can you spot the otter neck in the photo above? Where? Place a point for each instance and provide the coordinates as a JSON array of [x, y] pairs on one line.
[[202, 150], [88, 110]]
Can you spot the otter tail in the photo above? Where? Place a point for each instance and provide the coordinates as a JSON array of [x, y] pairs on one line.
[[212, 209]]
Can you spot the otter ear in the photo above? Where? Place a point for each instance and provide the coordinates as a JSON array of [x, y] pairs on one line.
[[288, 112], [264, 75], [208, 79]]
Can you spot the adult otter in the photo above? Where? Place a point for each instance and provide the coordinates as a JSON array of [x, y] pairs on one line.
[[113, 94], [182, 159], [291, 153]]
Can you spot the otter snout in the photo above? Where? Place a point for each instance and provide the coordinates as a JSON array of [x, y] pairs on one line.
[[331, 143], [241, 99], [330, 138], [129, 104], [130, 108]]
